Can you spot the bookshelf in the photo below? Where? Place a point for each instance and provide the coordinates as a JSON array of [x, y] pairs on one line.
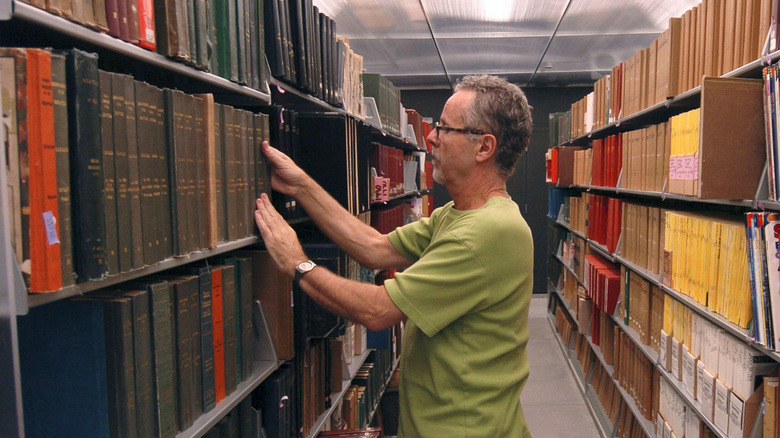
[[22, 24], [667, 200]]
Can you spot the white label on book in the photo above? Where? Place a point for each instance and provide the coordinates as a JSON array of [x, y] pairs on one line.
[[676, 358], [736, 415], [50, 225], [721, 412]]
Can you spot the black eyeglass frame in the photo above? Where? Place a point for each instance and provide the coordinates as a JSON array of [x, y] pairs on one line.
[[439, 128]]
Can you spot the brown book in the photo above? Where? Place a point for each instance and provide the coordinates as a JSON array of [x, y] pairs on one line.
[[63, 8], [209, 151], [727, 120], [98, 18], [131, 15], [171, 29], [274, 290], [121, 174], [109, 173], [134, 174]]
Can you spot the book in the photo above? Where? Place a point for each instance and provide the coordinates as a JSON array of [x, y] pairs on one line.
[[60, 100], [218, 332], [122, 174], [147, 36], [109, 174], [134, 173], [87, 188], [77, 344], [142, 360]]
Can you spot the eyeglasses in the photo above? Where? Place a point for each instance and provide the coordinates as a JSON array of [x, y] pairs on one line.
[[440, 128]]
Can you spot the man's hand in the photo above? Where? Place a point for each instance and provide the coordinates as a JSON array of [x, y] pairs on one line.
[[286, 176], [279, 238]]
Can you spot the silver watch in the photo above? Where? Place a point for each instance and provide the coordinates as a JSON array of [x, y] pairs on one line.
[[302, 269]]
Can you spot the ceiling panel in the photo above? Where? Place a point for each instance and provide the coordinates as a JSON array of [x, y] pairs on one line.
[[431, 43]]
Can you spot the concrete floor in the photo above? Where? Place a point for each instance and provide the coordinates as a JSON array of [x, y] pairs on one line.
[[551, 400]]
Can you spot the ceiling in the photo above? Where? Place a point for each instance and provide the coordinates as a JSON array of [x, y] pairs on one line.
[[432, 43]]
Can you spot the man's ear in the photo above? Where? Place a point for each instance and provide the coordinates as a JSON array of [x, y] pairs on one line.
[[488, 147]]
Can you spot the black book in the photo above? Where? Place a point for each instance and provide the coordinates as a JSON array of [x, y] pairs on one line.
[[299, 42], [165, 386], [253, 59], [142, 359], [277, 417], [230, 320], [334, 63], [120, 364], [87, 192], [60, 98], [178, 168], [318, 85], [241, 47], [203, 42], [160, 179], [232, 31], [287, 42], [242, 268], [201, 173], [145, 124], [185, 338], [309, 46], [122, 174], [207, 393], [261, 51], [192, 31], [134, 174], [222, 39], [109, 173], [273, 38]]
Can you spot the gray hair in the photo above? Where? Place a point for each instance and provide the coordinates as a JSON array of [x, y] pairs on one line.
[[501, 109]]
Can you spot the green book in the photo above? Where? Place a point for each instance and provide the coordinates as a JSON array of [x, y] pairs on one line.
[[109, 173], [60, 95]]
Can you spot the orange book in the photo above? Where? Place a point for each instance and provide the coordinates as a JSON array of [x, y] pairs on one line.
[[146, 33], [45, 257], [218, 333]]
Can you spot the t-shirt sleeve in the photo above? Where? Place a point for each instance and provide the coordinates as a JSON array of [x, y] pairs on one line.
[[447, 282], [412, 239]]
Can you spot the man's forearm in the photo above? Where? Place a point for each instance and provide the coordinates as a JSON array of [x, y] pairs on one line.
[[364, 243], [356, 301]]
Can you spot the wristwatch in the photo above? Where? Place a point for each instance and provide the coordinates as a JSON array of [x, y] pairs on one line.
[[302, 269]]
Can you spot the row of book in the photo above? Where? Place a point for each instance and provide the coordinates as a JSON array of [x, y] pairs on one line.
[[771, 119], [642, 307], [146, 359], [121, 148], [721, 372], [711, 39], [701, 256], [388, 102], [688, 155]]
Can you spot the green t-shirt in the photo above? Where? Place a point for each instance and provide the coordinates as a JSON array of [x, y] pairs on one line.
[[466, 298]]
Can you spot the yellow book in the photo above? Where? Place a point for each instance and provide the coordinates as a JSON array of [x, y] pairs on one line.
[[716, 229]]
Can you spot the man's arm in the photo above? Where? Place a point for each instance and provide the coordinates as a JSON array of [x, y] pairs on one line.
[[365, 244], [365, 303]]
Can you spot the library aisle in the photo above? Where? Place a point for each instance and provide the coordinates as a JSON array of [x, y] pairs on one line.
[[553, 405]]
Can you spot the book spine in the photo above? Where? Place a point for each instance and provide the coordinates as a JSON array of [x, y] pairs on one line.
[[201, 27], [184, 294], [124, 26], [60, 100], [162, 359], [192, 224], [133, 25], [46, 269], [145, 131], [177, 170], [219, 170], [160, 180], [121, 367], [206, 341], [142, 355], [112, 16], [86, 178], [230, 328], [202, 174], [147, 35], [218, 332], [109, 174], [134, 175], [122, 174]]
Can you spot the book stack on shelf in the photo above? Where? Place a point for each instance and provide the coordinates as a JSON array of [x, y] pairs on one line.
[[696, 285], [132, 186]]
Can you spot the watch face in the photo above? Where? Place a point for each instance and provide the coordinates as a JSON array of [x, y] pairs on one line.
[[306, 266]]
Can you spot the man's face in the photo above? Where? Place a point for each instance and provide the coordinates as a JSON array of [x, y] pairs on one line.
[[453, 152]]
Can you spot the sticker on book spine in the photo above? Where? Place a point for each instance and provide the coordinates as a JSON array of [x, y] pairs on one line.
[[50, 225]]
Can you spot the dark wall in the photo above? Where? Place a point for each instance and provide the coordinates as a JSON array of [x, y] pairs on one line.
[[526, 186]]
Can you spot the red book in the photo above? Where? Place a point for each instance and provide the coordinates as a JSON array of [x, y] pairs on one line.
[[45, 256], [146, 32], [218, 332]]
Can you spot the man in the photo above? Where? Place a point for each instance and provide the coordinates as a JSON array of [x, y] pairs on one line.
[[467, 285]]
